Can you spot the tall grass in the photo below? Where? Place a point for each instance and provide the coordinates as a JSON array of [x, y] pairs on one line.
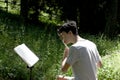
[[45, 43], [105, 45]]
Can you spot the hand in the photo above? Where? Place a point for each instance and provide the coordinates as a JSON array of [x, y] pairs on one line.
[[61, 77]]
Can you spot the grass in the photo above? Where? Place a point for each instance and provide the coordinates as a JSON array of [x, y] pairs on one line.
[[45, 43], [111, 68]]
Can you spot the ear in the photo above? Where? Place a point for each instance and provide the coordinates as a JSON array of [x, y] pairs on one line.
[[70, 32]]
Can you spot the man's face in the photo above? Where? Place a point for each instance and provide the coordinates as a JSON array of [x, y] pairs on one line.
[[64, 37]]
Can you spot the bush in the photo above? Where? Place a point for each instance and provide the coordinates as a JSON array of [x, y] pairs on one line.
[[111, 68], [45, 43]]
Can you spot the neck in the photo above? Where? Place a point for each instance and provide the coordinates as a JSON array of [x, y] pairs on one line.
[[76, 38]]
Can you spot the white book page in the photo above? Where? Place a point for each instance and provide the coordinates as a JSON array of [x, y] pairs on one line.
[[26, 54]]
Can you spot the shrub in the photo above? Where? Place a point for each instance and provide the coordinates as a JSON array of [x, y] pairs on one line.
[[111, 68]]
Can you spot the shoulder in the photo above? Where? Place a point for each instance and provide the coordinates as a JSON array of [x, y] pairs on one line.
[[72, 47], [91, 43]]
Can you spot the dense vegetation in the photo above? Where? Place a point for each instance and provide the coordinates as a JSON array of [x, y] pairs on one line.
[[92, 16], [45, 43], [42, 38]]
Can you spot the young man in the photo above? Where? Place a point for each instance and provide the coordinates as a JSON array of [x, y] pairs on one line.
[[82, 55]]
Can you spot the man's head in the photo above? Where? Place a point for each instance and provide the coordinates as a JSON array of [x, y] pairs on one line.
[[67, 30], [69, 26]]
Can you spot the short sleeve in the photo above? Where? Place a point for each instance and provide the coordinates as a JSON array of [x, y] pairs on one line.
[[98, 57], [73, 55]]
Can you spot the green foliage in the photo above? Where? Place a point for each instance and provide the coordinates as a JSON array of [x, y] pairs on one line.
[[45, 43], [12, 7], [111, 68], [47, 47], [48, 18], [105, 45]]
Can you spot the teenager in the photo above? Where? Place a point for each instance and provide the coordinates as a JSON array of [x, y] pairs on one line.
[[82, 55]]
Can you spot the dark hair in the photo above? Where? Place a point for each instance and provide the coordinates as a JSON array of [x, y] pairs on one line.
[[68, 26]]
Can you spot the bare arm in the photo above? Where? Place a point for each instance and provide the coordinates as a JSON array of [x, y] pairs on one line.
[[66, 52], [99, 64], [65, 66]]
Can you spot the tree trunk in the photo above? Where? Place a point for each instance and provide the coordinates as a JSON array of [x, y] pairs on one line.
[[118, 16], [70, 10], [87, 16], [24, 10], [111, 27]]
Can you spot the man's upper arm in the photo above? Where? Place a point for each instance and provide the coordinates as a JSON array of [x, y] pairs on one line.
[[70, 59]]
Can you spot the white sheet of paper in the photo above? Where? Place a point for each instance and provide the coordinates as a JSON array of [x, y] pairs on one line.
[[26, 54]]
